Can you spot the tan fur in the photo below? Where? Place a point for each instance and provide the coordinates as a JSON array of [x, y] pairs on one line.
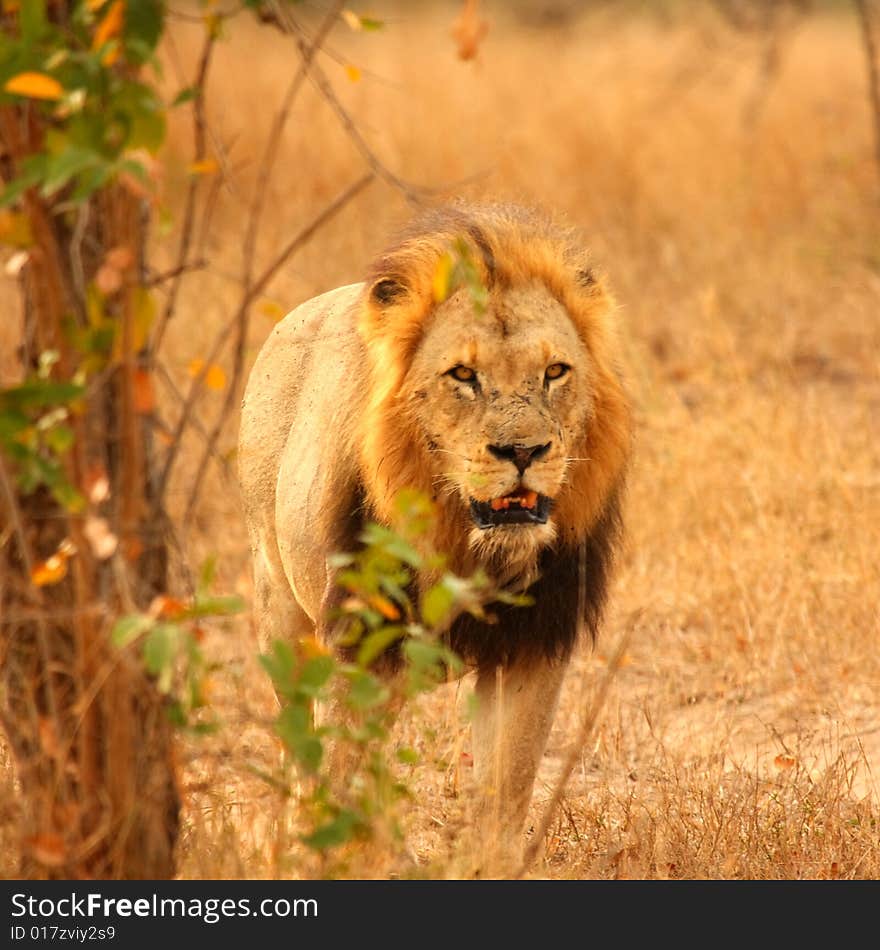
[[351, 401]]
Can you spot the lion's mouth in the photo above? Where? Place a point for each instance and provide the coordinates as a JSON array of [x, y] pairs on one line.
[[520, 506]]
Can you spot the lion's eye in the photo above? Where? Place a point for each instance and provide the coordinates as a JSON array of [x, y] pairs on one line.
[[464, 374], [556, 371]]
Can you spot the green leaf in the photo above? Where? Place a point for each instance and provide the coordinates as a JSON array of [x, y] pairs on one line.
[[12, 422], [216, 606], [65, 494], [39, 393], [144, 20], [341, 829], [295, 731], [187, 94], [375, 535], [315, 673], [59, 439], [89, 181], [437, 603], [408, 756], [377, 642], [366, 692], [32, 16], [32, 173], [127, 629], [160, 651], [207, 573], [147, 131], [61, 168], [280, 664]]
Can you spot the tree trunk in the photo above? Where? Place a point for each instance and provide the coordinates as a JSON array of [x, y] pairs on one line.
[[88, 729]]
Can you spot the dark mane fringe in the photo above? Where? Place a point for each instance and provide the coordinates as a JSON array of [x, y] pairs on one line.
[[568, 597]]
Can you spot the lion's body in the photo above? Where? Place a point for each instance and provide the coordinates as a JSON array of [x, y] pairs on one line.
[[513, 420], [308, 380]]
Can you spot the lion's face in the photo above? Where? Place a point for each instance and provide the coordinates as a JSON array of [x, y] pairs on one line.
[[502, 401]]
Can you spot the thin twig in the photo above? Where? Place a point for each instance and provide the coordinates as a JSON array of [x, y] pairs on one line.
[[189, 213], [27, 558], [413, 193], [270, 153], [220, 340], [873, 74], [294, 245], [165, 377], [160, 278]]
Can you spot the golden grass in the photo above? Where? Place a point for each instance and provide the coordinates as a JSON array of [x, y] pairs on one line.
[[738, 225]]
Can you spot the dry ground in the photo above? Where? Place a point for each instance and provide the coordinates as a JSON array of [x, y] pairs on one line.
[[736, 215]]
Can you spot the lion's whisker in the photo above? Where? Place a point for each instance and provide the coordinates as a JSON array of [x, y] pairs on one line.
[[458, 455]]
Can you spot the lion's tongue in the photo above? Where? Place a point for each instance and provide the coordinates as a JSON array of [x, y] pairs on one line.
[[526, 499]]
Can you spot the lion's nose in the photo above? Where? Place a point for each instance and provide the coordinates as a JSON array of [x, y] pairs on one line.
[[522, 456]]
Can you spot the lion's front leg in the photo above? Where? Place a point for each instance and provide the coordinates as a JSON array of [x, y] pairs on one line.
[[514, 712]]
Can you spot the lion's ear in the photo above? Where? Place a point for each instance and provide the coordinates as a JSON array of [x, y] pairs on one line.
[[387, 291]]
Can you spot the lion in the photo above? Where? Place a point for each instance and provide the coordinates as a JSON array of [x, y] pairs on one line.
[[514, 420]]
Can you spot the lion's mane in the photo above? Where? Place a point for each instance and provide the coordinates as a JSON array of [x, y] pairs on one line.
[[511, 248]]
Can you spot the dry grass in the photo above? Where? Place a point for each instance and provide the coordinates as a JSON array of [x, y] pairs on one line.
[[738, 223]]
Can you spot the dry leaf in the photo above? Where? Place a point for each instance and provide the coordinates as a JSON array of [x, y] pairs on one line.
[[144, 395], [215, 377], [166, 607], [15, 263], [47, 849], [48, 572], [108, 279], [385, 607], [442, 279], [469, 29], [207, 166], [101, 538], [312, 647], [96, 484], [271, 309], [48, 737], [15, 229], [121, 257], [110, 26], [785, 761], [353, 73], [352, 19], [34, 86]]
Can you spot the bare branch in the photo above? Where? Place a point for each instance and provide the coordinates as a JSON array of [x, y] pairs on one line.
[[28, 561], [270, 154], [189, 214], [241, 320], [870, 47], [157, 279], [413, 193], [165, 377]]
